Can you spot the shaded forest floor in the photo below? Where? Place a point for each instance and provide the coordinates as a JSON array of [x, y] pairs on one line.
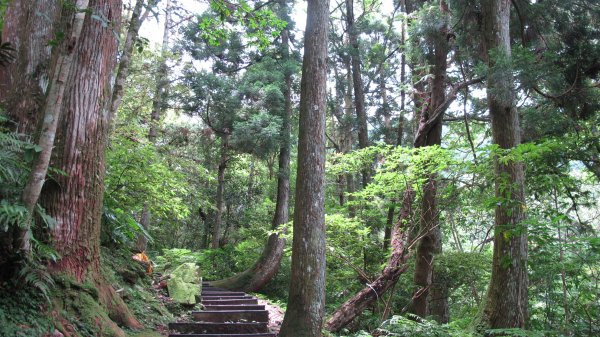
[[27, 311]]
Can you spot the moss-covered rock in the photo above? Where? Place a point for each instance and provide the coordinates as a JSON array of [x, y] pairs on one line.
[[185, 284]]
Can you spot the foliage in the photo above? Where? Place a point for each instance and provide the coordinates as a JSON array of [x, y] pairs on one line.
[[261, 24], [143, 179], [20, 312], [16, 157]]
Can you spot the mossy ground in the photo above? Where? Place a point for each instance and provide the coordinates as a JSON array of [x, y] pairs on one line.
[[73, 308]]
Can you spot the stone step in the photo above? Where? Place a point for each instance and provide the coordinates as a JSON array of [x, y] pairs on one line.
[[231, 316], [225, 297], [266, 334], [235, 307], [218, 328], [214, 288], [222, 293], [229, 301]]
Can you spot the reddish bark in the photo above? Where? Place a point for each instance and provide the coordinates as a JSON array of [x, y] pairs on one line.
[[430, 242], [75, 199], [32, 71]]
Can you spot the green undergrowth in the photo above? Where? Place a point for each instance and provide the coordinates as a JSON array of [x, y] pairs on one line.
[[73, 308], [20, 312], [130, 280]]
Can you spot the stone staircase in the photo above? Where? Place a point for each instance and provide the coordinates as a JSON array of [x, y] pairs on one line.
[[226, 314]]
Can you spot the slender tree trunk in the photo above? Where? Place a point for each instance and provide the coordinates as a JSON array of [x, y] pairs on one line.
[[132, 33], [161, 79], [268, 264], [306, 302], [359, 91], [157, 101], [507, 300], [75, 200], [216, 230], [387, 235], [430, 242], [348, 135], [402, 80], [141, 242], [51, 115]]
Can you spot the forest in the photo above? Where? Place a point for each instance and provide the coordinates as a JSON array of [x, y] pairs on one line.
[[299, 168]]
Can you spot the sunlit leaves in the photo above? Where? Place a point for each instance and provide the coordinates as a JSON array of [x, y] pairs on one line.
[[262, 25]]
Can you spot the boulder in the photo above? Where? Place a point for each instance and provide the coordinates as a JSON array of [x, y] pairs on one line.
[[185, 284]]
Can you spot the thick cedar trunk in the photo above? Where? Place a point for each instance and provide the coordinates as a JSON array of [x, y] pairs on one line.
[[507, 301], [267, 266], [75, 199], [216, 230], [359, 92], [306, 302], [51, 115], [430, 242], [32, 70], [132, 32], [397, 264]]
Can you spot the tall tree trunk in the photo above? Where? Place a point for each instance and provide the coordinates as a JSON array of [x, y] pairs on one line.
[[507, 299], [348, 135], [306, 302], [268, 264], [359, 91], [157, 101], [132, 33], [75, 200], [397, 264], [141, 242], [51, 115], [162, 82], [430, 242], [216, 230]]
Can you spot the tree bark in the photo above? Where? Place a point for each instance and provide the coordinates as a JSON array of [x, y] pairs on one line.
[[75, 200], [141, 242], [32, 71], [161, 79], [359, 91], [267, 266], [132, 33], [216, 230], [306, 302], [51, 115], [397, 264], [430, 242], [507, 299]]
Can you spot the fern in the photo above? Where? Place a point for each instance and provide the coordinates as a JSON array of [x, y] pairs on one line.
[[36, 275], [11, 214]]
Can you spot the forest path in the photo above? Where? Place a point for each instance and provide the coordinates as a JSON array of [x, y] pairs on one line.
[[226, 314]]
